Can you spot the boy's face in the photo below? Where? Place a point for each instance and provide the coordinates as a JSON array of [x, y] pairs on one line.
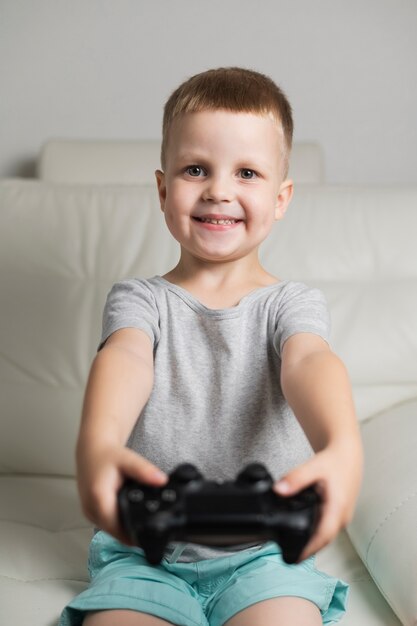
[[222, 188]]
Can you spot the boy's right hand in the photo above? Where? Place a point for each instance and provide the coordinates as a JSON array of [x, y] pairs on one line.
[[100, 477]]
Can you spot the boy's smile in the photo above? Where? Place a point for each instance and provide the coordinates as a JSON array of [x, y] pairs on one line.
[[217, 221], [222, 190]]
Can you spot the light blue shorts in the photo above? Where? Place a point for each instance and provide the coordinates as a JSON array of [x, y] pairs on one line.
[[203, 593]]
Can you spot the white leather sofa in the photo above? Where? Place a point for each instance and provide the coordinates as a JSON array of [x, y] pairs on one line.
[[62, 245]]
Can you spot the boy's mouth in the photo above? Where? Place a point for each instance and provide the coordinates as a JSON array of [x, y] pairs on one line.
[[208, 220], [218, 220]]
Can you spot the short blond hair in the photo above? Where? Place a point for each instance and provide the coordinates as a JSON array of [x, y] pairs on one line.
[[232, 89]]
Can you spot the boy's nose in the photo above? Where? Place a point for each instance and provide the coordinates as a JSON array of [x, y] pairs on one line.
[[218, 189]]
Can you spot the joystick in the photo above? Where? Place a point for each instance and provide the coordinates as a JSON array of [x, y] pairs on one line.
[[189, 508]]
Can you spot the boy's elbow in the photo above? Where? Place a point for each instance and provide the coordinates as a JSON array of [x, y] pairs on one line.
[[302, 352]]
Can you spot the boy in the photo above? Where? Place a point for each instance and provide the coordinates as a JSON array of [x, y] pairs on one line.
[[211, 357]]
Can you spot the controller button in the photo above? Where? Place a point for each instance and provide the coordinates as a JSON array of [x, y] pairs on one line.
[[152, 505], [169, 495], [136, 495], [295, 505]]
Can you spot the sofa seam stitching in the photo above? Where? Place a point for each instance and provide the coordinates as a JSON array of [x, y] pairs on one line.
[[53, 531], [36, 580], [384, 521]]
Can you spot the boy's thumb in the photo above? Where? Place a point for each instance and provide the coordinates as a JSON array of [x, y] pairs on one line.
[[139, 468], [295, 481]]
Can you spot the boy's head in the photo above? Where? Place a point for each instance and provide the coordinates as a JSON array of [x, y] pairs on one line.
[[231, 89]]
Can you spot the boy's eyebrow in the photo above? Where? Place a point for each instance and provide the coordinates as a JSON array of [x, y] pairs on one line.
[[250, 160]]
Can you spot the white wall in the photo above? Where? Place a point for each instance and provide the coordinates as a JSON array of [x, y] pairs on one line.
[[103, 69]]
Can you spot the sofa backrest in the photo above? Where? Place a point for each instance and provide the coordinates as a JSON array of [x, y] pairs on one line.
[[63, 246]]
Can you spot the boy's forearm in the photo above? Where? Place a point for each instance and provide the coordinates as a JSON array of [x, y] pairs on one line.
[[318, 390], [118, 387]]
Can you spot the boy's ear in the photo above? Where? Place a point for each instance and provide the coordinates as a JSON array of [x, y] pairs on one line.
[[162, 190], [285, 194]]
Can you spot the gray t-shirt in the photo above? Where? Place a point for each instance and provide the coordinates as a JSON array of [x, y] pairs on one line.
[[216, 400]]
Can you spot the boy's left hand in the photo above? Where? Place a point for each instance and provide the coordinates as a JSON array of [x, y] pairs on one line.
[[336, 472]]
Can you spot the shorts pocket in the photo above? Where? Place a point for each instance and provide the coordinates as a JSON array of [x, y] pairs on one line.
[[92, 562], [105, 549]]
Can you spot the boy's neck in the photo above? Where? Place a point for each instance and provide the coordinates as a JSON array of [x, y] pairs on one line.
[[220, 285]]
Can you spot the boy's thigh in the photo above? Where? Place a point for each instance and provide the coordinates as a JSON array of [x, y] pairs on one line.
[[285, 611], [264, 590], [122, 618]]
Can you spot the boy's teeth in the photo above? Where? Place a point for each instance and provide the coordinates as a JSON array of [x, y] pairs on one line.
[[212, 221]]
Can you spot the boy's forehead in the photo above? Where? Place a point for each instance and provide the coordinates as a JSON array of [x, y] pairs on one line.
[[192, 129], [220, 117]]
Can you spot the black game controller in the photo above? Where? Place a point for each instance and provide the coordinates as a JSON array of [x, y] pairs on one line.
[[189, 508]]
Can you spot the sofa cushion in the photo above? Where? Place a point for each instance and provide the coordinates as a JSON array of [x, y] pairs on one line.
[[384, 527], [43, 548]]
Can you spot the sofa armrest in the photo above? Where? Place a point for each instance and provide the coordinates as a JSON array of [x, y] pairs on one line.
[[383, 530]]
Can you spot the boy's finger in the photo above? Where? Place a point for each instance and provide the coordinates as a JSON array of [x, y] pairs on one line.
[[300, 478], [139, 468], [327, 529]]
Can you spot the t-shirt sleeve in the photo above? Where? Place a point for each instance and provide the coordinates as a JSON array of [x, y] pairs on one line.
[[130, 304], [302, 309]]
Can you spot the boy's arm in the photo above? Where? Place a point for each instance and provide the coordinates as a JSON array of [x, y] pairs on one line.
[[119, 385], [316, 386]]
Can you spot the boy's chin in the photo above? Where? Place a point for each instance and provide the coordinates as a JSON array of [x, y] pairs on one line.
[[218, 257]]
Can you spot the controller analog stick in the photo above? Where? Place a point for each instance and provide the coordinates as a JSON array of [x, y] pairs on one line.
[[253, 473], [185, 473]]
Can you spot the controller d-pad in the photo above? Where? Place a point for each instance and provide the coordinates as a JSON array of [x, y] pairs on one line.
[[303, 500], [295, 505]]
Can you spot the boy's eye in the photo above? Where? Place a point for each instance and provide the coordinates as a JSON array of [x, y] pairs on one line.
[[247, 174], [194, 170]]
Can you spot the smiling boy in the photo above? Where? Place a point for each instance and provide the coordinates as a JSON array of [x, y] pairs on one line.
[[217, 363], [222, 167]]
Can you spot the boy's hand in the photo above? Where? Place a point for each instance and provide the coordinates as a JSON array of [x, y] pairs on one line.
[[336, 471], [100, 477]]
